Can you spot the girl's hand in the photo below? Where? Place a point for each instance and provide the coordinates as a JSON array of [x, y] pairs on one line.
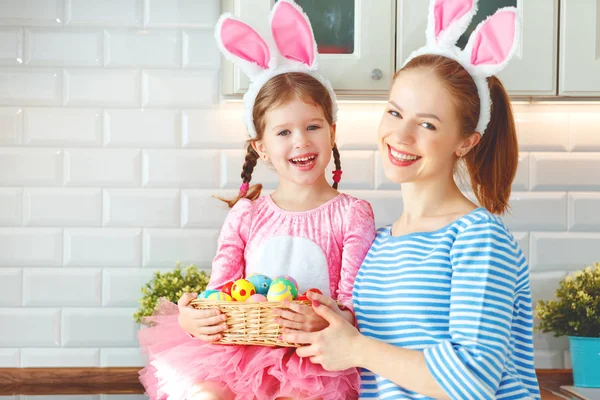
[[302, 317], [299, 317], [205, 325], [334, 347]]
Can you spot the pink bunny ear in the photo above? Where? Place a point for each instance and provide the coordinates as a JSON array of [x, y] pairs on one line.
[[242, 45], [494, 42], [448, 19], [293, 33]]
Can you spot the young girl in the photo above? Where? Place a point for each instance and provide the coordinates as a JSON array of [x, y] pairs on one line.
[[442, 299], [305, 229]]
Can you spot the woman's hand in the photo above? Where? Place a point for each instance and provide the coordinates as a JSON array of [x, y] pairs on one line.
[[334, 347], [205, 325]]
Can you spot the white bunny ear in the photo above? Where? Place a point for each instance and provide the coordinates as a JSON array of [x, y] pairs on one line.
[[494, 42], [242, 45], [293, 33], [448, 19]]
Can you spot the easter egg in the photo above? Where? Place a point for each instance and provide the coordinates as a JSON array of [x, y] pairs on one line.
[[242, 289], [280, 291], [219, 296], [288, 283], [289, 278], [227, 287], [261, 282], [313, 290], [206, 293], [304, 296], [256, 298]]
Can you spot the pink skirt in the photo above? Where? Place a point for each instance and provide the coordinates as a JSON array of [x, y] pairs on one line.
[[176, 362]]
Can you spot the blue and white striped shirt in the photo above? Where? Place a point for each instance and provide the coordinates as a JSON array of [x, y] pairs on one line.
[[461, 295]]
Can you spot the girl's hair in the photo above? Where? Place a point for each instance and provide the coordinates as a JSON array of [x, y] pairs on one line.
[[492, 163], [278, 91]]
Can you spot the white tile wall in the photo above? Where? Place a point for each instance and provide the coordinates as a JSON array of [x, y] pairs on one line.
[[135, 128], [30, 86], [61, 287], [9, 358], [48, 46], [121, 357], [31, 12], [142, 48], [98, 327], [41, 358], [11, 206], [11, 282], [113, 142], [11, 125], [11, 46], [81, 127], [102, 87], [105, 13]]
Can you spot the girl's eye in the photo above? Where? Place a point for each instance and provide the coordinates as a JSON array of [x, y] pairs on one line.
[[313, 127], [429, 126], [394, 113], [284, 133]]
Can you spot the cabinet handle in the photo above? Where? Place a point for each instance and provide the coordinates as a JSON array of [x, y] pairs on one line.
[[376, 74]]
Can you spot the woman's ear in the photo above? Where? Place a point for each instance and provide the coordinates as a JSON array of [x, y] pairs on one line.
[[259, 147], [468, 144]]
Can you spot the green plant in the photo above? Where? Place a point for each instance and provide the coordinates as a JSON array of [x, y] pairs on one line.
[[170, 285], [577, 310]]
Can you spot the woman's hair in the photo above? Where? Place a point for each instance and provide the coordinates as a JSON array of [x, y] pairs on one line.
[[492, 163], [278, 91]]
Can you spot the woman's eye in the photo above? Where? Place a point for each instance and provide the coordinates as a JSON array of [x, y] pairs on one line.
[[313, 127], [429, 126], [284, 133], [394, 113]]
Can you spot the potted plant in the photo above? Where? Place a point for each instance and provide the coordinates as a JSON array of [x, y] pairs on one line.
[[170, 285], [576, 314]]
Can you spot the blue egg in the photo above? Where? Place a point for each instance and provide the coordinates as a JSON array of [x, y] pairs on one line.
[[206, 293], [260, 282]]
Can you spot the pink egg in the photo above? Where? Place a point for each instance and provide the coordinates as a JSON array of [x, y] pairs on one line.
[[257, 298]]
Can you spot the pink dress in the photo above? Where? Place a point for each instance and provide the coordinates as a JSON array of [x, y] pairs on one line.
[[323, 248]]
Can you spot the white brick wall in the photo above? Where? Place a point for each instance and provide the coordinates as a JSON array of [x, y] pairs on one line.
[[112, 142]]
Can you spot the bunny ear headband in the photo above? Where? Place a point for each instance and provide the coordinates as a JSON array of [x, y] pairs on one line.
[[489, 48], [294, 50]]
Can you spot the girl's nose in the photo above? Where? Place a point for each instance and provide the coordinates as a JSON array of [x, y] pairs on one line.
[[301, 140]]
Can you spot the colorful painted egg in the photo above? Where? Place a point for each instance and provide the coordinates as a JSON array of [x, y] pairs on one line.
[[280, 291], [261, 283], [288, 283], [219, 296], [289, 278], [206, 293], [257, 298], [242, 289], [227, 287]]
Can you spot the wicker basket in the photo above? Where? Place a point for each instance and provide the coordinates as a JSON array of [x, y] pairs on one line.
[[249, 323]]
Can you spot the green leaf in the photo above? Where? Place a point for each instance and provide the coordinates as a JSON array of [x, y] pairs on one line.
[[576, 312], [170, 285]]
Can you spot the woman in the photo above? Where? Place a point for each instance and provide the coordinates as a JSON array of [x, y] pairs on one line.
[[442, 299]]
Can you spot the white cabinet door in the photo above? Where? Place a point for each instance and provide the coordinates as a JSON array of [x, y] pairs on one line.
[[532, 72], [580, 48], [355, 39]]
